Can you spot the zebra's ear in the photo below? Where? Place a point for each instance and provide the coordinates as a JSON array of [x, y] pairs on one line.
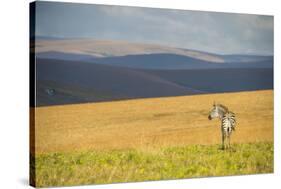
[[214, 103]]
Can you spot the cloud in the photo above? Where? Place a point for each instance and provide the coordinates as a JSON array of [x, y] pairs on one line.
[[206, 31]]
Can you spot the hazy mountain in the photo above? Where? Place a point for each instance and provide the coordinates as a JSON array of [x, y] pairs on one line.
[[143, 56], [105, 48], [64, 56], [172, 61], [158, 61], [81, 70], [246, 58]]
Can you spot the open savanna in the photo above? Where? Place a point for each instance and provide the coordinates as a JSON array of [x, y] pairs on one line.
[[150, 139]]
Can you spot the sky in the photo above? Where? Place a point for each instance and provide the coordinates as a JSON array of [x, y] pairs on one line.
[[221, 33]]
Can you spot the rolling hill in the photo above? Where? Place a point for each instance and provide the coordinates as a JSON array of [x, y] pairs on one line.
[[73, 71], [175, 62], [246, 58], [159, 61], [106, 48], [70, 82], [143, 56], [77, 82]]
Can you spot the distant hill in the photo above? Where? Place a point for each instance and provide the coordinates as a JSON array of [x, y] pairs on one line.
[[246, 58], [161, 61], [64, 56], [175, 62], [64, 82], [73, 71], [220, 80], [143, 56], [70, 82], [106, 48]]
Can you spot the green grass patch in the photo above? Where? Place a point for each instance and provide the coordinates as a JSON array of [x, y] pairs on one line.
[[96, 167]]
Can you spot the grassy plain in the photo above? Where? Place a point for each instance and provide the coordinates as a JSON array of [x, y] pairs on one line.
[[150, 139], [152, 164]]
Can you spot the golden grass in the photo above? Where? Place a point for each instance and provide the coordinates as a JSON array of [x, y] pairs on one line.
[[154, 122]]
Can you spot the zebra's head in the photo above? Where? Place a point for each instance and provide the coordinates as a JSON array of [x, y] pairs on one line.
[[217, 111]]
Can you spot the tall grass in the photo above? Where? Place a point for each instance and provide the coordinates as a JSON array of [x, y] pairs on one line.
[[111, 166], [169, 121]]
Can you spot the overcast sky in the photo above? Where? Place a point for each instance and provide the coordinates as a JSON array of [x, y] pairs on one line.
[[206, 31]]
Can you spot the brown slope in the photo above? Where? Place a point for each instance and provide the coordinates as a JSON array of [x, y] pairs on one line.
[[77, 82]]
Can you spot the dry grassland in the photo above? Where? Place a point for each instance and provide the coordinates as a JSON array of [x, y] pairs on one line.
[[150, 123]]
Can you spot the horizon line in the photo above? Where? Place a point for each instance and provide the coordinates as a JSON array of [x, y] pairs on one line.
[[147, 43]]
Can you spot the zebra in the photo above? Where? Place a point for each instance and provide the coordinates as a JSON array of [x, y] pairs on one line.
[[228, 122]]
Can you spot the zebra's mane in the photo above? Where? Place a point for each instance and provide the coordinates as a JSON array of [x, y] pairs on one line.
[[223, 107]]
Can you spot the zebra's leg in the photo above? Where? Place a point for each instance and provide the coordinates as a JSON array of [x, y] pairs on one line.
[[226, 141], [229, 141], [222, 138]]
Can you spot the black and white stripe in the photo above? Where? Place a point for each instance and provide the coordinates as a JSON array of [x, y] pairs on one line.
[[228, 122]]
